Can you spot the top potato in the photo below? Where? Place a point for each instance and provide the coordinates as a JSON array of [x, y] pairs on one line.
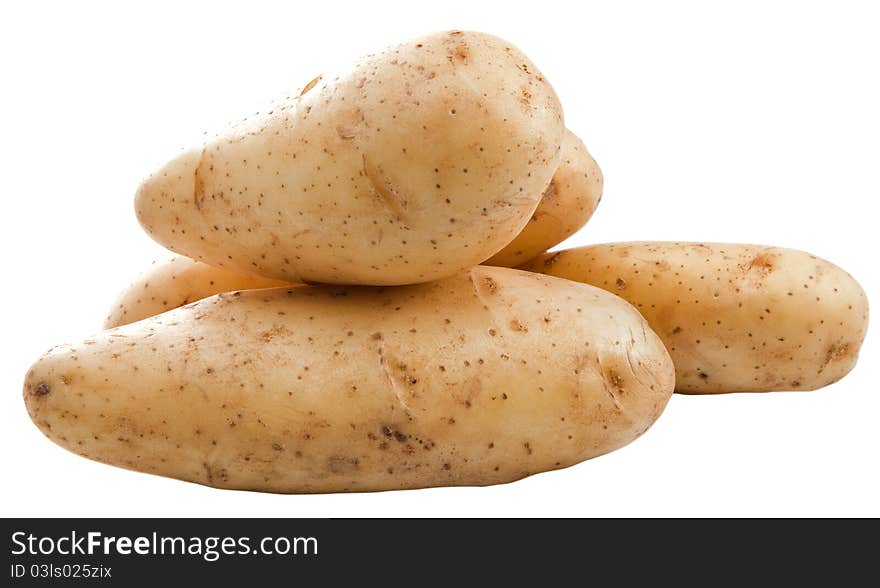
[[417, 163]]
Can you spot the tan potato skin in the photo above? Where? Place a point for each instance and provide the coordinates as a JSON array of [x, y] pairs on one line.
[[417, 163], [482, 378], [169, 284], [566, 206], [735, 318]]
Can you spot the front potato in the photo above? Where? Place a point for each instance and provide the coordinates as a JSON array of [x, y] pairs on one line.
[[735, 318], [417, 163], [482, 378]]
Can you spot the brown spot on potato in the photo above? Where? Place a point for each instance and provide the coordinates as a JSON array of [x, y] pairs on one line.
[[198, 190], [392, 432], [467, 392], [396, 203], [763, 262], [310, 85], [835, 352], [42, 389], [214, 474], [616, 381], [620, 283], [339, 464], [276, 331], [460, 53], [517, 326], [551, 191]]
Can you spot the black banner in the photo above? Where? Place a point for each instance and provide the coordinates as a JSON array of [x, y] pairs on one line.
[[133, 552]]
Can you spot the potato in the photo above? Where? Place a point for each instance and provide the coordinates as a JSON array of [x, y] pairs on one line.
[[417, 163], [735, 318], [175, 282], [566, 205], [482, 378]]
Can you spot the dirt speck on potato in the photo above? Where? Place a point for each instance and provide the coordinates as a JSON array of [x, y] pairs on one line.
[[42, 389], [517, 326], [342, 465], [835, 352], [762, 261]]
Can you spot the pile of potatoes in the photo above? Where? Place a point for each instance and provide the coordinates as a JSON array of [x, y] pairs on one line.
[[342, 314]]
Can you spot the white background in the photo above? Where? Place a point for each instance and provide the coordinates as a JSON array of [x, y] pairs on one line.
[[752, 122]]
